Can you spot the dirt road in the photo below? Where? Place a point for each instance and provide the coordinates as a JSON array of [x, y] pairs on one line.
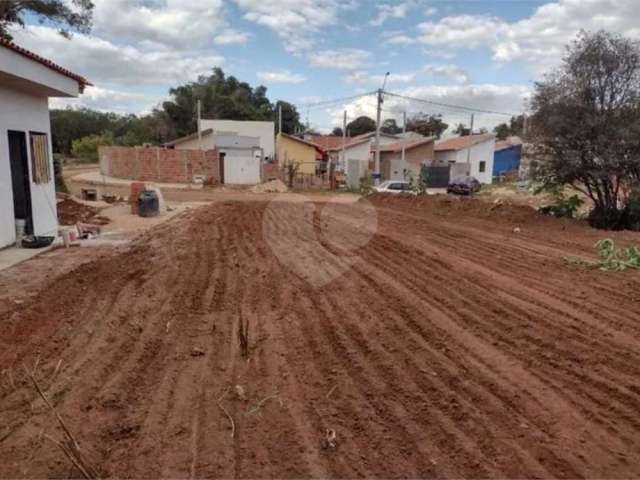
[[447, 346]]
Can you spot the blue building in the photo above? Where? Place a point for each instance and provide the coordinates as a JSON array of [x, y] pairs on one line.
[[506, 157]]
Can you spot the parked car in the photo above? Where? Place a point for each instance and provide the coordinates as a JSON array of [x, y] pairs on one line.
[[393, 186], [465, 185]]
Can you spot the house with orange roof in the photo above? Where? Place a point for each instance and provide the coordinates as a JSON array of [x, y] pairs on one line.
[[469, 155], [27, 183]]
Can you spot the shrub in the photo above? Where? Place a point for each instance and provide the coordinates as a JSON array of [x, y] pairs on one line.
[[86, 148]]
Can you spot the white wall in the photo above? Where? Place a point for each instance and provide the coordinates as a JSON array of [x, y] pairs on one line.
[[193, 144], [22, 112], [264, 130], [479, 152]]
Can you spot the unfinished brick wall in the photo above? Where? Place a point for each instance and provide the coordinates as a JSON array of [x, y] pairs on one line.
[[159, 164]]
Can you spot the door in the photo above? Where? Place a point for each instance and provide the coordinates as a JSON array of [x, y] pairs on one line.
[[20, 183], [241, 168]]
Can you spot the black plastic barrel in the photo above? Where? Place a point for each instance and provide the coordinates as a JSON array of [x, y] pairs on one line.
[[148, 204]]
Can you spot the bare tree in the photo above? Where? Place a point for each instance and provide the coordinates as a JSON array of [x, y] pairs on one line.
[[586, 124]]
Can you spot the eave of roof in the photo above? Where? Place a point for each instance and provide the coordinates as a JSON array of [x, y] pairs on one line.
[[407, 144], [301, 140], [82, 82], [188, 137], [460, 143]]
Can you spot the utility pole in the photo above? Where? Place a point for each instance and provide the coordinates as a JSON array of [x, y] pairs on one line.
[[404, 131], [524, 125], [280, 118], [376, 167], [199, 109], [344, 138], [470, 144]]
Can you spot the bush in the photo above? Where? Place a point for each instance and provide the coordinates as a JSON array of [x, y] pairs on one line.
[[86, 148], [563, 207], [58, 160]]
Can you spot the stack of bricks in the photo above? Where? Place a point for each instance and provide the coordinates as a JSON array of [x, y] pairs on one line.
[[136, 189], [159, 164]]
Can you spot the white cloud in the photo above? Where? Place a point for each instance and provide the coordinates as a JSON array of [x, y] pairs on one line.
[[386, 11], [107, 100], [281, 76], [500, 98], [397, 38], [340, 59], [294, 21], [361, 77], [460, 31], [430, 12], [538, 39], [174, 23], [451, 72], [230, 36], [101, 61]]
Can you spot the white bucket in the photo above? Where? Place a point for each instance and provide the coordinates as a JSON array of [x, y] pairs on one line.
[[21, 226]]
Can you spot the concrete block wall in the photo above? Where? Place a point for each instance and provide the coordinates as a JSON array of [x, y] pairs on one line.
[[159, 164]]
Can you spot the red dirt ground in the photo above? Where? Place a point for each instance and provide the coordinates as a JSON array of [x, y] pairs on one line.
[[454, 347]]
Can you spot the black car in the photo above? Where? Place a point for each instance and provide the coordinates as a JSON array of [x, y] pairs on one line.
[[463, 185]]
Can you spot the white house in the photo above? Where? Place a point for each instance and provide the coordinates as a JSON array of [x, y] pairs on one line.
[[472, 153], [241, 156], [264, 130], [27, 184]]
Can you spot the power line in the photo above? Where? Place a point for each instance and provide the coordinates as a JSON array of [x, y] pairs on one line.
[[446, 105], [334, 101]]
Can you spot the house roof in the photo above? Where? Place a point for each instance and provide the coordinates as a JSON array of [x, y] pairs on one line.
[[82, 82], [332, 143], [506, 144], [373, 134], [408, 144], [188, 137], [301, 140], [459, 143]]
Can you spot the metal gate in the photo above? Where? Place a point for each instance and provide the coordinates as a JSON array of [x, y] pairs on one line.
[[437, 177]]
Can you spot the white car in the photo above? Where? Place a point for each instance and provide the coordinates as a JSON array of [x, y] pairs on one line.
[[394, 186]]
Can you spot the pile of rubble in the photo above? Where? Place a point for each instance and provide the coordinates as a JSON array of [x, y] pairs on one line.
[[272, 186]]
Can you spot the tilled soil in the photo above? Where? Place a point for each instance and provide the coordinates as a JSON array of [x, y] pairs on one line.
[[447, 346]]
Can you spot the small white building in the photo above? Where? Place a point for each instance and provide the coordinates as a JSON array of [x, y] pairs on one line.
[[265, 131], [241, 156], [475, 152], [27, 183]]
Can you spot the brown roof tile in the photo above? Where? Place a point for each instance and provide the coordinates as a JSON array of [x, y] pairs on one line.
[[458, 143]]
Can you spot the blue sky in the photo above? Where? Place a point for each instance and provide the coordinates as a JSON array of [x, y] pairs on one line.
[[481, 54]]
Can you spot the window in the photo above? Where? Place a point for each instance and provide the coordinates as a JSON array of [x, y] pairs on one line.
[[483, 167], [40, 169], [395, 186]]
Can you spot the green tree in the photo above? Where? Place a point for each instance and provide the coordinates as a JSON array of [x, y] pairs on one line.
[[586, 125], [290, 117], [337, 132], [66, 15], [462, 130], [390, 126], [86, 148], [427, 125], [361, 125], [514, 128]]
